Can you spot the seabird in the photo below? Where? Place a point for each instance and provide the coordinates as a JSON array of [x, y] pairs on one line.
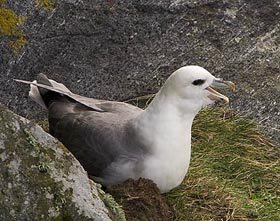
[[115, 141]]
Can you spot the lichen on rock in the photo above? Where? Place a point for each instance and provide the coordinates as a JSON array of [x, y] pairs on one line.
[[10, 27], [47, 4], [40, 179]]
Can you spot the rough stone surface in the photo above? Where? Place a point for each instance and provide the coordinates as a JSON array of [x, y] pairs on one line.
[[40, 179], [119, 49]]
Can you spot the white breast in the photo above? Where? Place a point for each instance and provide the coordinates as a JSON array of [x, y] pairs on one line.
[[170, 143]]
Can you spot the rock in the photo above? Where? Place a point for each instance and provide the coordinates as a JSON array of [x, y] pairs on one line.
[[41, 180], [118, 49], [141, 200]]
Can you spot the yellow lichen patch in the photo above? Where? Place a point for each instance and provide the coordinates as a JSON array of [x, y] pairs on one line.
[[9, 22], [46, 4], [17, 44], [9, 26]]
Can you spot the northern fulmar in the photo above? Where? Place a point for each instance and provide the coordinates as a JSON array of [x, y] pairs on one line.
[[115, 141]]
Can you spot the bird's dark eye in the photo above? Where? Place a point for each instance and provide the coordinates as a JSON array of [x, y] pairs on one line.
[[198, 82]]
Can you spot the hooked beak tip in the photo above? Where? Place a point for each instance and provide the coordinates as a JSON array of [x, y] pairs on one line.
[[219, 83], [231, 85]]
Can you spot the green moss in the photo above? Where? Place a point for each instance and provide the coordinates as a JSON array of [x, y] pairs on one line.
[[47, 4], [44, 123], [32, 141], [9, 26], [112, 205]]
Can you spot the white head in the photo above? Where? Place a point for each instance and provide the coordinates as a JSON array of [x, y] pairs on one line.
[[190, 86]]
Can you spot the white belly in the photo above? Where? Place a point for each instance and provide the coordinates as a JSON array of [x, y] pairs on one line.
[[168, 168]]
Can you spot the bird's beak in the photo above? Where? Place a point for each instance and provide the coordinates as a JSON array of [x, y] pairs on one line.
[[217, 84]]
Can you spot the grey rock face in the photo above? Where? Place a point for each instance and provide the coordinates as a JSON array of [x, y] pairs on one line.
[[40, 179], [120, 49]]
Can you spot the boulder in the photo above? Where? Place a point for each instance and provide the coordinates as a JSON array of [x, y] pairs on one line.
[[41, 180]]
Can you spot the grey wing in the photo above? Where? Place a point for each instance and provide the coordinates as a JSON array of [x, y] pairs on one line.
[[102, 142], [97, 132]]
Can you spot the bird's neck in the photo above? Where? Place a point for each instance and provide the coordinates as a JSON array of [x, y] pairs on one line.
[[170, 107], [167, 122]]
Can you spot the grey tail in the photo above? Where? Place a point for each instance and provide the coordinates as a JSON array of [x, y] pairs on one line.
[[47, 96]]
